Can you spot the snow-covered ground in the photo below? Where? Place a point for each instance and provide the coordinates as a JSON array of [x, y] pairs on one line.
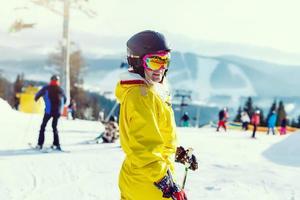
[[231, 165]]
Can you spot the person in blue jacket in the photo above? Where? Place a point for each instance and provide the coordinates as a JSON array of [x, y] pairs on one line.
[[54, 99], [271, 122]]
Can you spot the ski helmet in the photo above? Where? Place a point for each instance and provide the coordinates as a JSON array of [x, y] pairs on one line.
[[113, 118], [143, 43], [54, 78]]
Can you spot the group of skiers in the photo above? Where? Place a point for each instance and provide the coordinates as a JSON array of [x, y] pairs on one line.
[[255, 121]]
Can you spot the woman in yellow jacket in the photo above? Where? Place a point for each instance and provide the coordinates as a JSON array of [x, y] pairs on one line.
[[147, 126]]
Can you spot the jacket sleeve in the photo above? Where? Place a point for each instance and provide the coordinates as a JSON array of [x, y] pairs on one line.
[[40, 93], [145, 140]]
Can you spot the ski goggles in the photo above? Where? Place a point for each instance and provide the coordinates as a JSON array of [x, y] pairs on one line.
[[157, 61]]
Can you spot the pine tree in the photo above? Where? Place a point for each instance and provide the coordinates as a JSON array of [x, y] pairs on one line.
[[238, 115], [281, 114], [272, 109], [262, 118], [3, 87], [77, 64], [18, 85], [95, 106], [249, 106], [6, 89], [294, 123]]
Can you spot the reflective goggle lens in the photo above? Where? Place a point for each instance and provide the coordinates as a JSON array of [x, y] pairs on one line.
[[157, 61]]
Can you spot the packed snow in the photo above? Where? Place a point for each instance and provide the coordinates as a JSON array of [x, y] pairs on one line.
[[231, 165]]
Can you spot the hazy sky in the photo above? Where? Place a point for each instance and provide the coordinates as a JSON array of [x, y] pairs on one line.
[[270, 23]]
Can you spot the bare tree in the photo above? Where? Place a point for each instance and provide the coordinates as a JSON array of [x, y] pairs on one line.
[[77, 65]]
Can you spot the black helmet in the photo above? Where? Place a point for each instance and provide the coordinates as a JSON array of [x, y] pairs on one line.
[[54, 78], [143, 43]]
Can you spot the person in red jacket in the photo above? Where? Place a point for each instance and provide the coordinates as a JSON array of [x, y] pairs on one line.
[[255, 121], [223, 117]]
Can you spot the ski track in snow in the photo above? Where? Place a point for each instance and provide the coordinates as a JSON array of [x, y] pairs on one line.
[[34, 185]]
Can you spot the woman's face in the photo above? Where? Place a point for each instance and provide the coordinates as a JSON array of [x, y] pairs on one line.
[[154, 75]]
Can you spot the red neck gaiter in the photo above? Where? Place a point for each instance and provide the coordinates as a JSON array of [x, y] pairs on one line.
[[54, 82]]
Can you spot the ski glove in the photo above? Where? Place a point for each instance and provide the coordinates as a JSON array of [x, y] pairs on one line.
[[170, 189], [182, 156]]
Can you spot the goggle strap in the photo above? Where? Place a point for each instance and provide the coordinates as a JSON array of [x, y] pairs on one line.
[[133, 56]]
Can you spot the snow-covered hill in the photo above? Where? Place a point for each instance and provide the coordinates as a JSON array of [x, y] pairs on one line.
[[206, 76], [231, 165]]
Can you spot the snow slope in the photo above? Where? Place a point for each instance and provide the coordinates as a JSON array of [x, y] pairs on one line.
[[231, 165]]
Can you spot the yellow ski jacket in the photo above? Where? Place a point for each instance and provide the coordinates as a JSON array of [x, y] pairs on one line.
[[147, 135]]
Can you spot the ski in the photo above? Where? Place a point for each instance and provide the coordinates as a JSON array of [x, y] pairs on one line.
[[96, 140], [50, 150], [47, 149], [32, 147], [93, 141]]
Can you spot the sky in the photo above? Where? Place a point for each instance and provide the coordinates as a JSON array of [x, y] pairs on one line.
[[263, 23]]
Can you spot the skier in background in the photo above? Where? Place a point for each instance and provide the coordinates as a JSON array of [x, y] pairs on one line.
[[255, 121], [283, 125], [54, 99], [101, 115], [185, 119], [223, 117], [72, 107], [271, 122], [111, 133], [245, 119], [147, 125]]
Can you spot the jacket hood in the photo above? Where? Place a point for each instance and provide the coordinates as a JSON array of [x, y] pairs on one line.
[[127, 81]]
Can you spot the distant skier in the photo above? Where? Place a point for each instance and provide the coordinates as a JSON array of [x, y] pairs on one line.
[[271, 122], [72, 107], [223, 117], [283, 125], [54, 99], [255, 121], [111, 132], [185, 119], [245, 119], [147, 125], [101, 115]]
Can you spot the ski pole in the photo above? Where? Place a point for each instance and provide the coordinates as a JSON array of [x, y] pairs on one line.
[[111, 111], [172, 182], [185, 175], [187, 165]]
